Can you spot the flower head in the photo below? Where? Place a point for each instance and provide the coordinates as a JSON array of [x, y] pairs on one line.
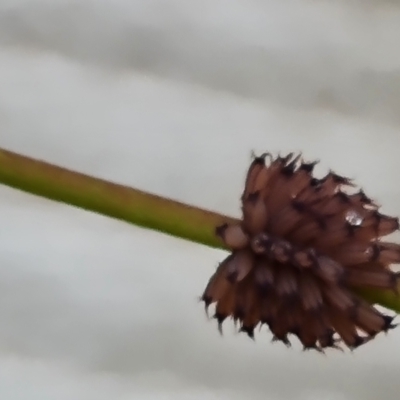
[[302, 247]]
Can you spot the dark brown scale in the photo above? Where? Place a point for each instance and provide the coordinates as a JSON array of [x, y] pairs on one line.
[[245, 298], [268, 305], [225, 307], [285, 319], [312, 193], [376, 225], [255, 214], [331, 183], [361, 199], [279, 327], [303, 251], [239, 265], [335, 235], [252, 318], [327, 340], [329, 270], [264, 276], [290, 182], [369, 276], [339, 299], [310, 292], [345, 327], [256, 167], [369, 319], [306, 233], [312, 224], [331, 206], [274, 174], [356, 253], [286, 284], [308, 333], [285, 220], [217, 285], [359, 253], [294, 318], [387, 253]]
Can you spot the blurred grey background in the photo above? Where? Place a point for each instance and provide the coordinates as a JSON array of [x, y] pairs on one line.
[[172, 97]]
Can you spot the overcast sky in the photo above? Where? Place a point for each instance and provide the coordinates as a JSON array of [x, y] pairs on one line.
[[172, 97]]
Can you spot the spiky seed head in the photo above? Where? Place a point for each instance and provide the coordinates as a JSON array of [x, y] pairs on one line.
[[302, 248]]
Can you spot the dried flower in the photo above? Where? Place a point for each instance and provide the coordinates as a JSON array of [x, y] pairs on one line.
[[303, 245]]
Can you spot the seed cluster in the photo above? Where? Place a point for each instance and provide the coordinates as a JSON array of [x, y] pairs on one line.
[[302, 247]]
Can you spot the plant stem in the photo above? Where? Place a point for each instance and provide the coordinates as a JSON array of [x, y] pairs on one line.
[[128, 204], [107, 198]]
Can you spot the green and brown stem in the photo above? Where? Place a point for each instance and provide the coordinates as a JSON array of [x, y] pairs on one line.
[[127, 204]]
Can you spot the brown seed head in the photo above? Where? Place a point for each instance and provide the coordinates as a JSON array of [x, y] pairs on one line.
[[304, 244]]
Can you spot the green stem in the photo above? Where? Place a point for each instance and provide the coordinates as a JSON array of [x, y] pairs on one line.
[[107, 198], [128, 204]]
